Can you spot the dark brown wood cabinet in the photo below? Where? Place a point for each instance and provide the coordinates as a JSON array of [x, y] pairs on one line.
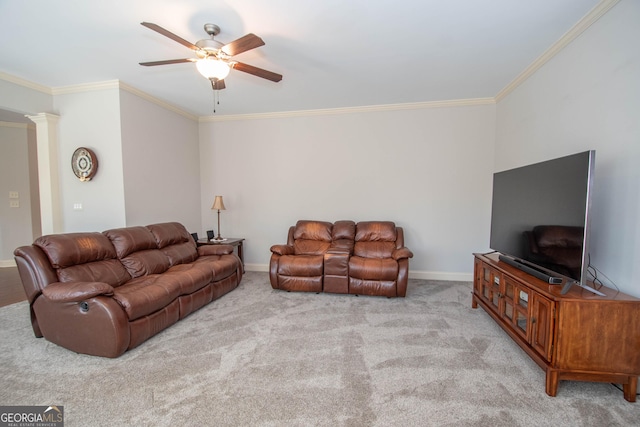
[[578, 336]]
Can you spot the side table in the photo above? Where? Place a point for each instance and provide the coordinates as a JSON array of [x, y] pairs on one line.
[[233, 241]]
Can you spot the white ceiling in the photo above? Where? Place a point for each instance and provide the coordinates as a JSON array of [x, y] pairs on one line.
[[332, 53]]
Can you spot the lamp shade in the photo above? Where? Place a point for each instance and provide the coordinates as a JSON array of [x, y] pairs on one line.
[[218, 204], [212, 68]]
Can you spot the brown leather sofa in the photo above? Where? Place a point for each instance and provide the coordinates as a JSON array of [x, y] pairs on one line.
[[105, 293], [556, 247], [367, 258]]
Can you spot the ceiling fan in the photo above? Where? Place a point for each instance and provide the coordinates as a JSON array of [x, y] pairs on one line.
[[213, 57]]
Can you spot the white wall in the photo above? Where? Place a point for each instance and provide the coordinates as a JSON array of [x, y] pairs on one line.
[[18, 98], [154, 150], [588, 97], [429, 170], [17, 145], [91, 119], [161, 164]]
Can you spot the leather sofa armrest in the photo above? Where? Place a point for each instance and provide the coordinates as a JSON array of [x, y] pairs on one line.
[[76, 291], [215, 250], [401, 253], [282, 250]]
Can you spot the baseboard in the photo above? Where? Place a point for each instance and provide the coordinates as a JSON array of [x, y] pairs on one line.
[[441, 275], [7, 263], [422, 275], [256, 267]]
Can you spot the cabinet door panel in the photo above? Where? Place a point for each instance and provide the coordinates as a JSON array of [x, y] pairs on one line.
[[521, 297], [542, 318], [495, 290]]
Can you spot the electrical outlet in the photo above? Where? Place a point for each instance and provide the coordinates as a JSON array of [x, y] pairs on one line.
[[14, 203], [14, 195]]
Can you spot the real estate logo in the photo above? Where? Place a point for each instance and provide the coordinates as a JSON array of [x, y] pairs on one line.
[[31, 416]]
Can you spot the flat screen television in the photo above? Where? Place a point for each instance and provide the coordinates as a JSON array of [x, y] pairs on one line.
[[540, 218]]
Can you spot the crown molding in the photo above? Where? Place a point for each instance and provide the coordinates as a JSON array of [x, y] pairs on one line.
[[157, 101], [91, 87], [17, 125], [117, 84], [594, 14], [85, 87], [26, 83], [352, 110]]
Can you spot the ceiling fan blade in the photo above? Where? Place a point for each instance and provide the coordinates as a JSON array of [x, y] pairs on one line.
[[168, 61], [243, 44], [166, 33], [217, 84], [274, 77]]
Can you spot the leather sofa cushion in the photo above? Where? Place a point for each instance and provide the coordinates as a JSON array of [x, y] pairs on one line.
[[146, 262], [310, 247], [190, 277], [180, 253], [380, 269], [344, 230], [175, 242], [375, 239], [301, 265], [311, 237], [83, 257], [144, 295], [110, 271], [374, 249], [343, 236], [65, 250], [131, 239], [138, 251], [170, 233], [221, 266], [371, 231], [313, 230]]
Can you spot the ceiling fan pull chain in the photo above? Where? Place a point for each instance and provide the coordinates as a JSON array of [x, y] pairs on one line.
[[213, 89]]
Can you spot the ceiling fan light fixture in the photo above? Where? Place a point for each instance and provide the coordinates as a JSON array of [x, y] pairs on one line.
[[213, 68]]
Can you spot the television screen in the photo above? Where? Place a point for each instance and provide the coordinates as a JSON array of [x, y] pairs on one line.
[[540, 216]]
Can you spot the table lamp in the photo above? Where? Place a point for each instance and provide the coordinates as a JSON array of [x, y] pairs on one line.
[[218, 205]]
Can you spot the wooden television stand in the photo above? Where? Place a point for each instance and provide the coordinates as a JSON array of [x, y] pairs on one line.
[[578, 336]]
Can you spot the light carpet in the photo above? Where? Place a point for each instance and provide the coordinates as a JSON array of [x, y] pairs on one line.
[[260, 357]]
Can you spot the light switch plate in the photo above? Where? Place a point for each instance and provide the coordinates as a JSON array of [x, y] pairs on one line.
[[14, 203]]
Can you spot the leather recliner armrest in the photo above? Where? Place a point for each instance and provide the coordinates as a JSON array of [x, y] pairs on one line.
[[282, 250], [401, 253], [215, 250], [76, 291]]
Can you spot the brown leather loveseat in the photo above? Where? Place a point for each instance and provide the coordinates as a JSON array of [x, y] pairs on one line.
[[367, 258], [106, 293], [556, 247]]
